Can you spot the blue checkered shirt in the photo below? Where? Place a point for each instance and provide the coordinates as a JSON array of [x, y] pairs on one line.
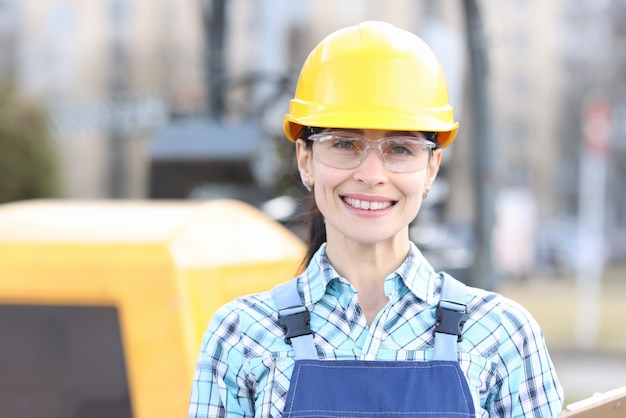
[[244, 364]]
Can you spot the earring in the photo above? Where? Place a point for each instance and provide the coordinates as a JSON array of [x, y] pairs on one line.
[[307, 185], [425, 194]]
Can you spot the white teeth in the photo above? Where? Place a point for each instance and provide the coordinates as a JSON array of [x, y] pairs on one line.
[[366, 205]]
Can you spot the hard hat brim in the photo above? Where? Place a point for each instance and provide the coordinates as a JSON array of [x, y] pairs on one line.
[[381, 121]]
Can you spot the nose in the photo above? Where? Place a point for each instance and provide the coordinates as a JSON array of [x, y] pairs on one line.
[[372, 169]]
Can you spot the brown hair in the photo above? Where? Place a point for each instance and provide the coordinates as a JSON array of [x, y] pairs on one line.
[[313, 218]]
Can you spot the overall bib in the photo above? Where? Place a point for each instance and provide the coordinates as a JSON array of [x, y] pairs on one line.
[[362, 388]]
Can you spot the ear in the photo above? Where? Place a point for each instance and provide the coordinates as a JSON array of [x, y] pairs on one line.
[[304, 158], [433, 168]]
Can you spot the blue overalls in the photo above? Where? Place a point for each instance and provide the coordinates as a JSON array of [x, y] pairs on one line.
[[364, 388]]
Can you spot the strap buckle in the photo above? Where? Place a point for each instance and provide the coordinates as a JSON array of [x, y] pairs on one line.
[[295, 322], [451, 317]]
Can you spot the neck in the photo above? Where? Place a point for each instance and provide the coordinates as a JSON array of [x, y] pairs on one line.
[[367, 265]]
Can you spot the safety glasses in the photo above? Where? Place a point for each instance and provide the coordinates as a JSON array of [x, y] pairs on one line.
[[346, 150]]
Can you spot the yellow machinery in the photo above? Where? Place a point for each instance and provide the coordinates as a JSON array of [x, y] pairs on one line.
[[103, 303]]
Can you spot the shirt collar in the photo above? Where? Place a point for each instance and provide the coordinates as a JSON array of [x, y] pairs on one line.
[[415, 273]]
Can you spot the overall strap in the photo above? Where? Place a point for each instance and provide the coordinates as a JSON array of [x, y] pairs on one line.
[[294, 319], [451, 315]]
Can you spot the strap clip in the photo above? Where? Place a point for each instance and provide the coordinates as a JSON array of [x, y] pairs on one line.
[[295, 322], [451, 317]]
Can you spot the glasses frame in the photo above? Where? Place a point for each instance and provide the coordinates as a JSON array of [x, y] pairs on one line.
[[373, 144]]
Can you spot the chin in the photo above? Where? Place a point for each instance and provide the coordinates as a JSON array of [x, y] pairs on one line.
[[370, 236]]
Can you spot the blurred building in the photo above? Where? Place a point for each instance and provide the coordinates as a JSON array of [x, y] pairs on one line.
[[525, 82], [115, 71], [593, 39], [109, 71], [546, 60], [8, 33]]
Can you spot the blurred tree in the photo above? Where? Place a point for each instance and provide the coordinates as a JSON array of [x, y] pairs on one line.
[[28, 164]]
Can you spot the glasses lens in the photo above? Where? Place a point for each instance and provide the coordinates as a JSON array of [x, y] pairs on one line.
[[404, 154], [339, 150], [346, 150]]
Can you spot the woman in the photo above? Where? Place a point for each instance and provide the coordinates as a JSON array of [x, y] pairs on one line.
[[369, 329]]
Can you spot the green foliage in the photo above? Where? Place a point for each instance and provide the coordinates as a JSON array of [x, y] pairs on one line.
[[28, 165]]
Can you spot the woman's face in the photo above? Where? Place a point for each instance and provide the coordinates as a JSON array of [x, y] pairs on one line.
[[367, 204]]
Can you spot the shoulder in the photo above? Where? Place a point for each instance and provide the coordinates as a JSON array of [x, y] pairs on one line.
[[247, 324], [498, 322], [245, 309], [506, 311]]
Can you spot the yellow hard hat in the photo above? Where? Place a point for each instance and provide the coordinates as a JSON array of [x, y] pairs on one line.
[[372, 76]]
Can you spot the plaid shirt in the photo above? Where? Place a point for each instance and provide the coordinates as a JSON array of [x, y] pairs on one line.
[[244, 365]]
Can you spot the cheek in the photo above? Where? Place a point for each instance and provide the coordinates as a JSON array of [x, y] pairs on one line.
[[412, 186], [327, 178], [325, 184]]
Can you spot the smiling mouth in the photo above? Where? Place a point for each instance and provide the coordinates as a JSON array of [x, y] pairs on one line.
[[367, 205]]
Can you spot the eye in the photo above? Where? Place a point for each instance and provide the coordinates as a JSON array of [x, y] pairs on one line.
[[346, 143], [397, 147], [402, 149]]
